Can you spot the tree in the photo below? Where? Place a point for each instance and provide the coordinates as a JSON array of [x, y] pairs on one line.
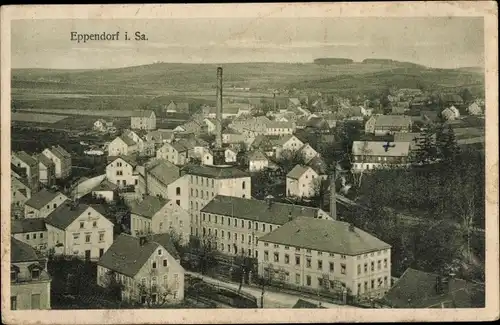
[[206, 251], [447, 145], [320, 191], [155, 292], [466, 95], [427, 149], [288, 159], [113, 284]]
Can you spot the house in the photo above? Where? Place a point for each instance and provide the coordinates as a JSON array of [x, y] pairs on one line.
[[211, 125], [160, 136], [105, 190], [264, 143], [451, 113], [61, 159], [194, 127], [30, 231], [147, 267], [378, 154], [102, 125], [205, 182], [451, 100], [286, 144], [230, 110], [236, 224], [251, 127], [257, 161], [318, 165], [308, 152], [352, 112], [301, 181], [46, 170], [155, 215], [29, 280], [42, 203], [388, 124], [400, 108], [122, 145], [279, 128], [419, 289], [325, 254], [233, 137], [207, 157], [317, 124], [121, 170], [173, 152], [20, 192], [145, 147], [174, 107], [27, 167], [474, 109], [413, 138], [78, 230], [143, 120]]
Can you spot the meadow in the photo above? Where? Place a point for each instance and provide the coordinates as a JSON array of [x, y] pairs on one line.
[[37, 118]]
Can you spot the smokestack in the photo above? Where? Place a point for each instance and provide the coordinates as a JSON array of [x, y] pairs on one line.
[[218, 112], [333, 197]]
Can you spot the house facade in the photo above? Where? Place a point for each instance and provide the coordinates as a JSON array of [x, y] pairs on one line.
[[122, 145], [121, 171], [154, 215], [29, 280], [78, 230], [301, 181], [20, 192], [32, 232], [257, 161], [42, 203], [143, 120], [235, 225], [61, 159], [46, 170], [369, 155], [148, 268], [451, 113], [28, 167], [287, 143], [388, 124], [340, 258], [279, 128], [173, 152]]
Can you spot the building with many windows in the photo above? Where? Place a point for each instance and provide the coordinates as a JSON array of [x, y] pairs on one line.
[[326, 255], [29, 280], [236, 224], [379, 154], [41, 204]]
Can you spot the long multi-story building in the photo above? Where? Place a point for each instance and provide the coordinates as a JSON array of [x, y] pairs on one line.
[[206, 182], [378, 154], [326, 255], [235, 224]]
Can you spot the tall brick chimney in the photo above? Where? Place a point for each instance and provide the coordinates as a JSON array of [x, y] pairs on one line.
[[333, 197], [218, 112]]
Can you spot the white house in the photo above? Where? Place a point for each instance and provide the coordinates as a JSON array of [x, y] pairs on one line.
[[475, 109], [450, 113], [211, 125], [61, 159], [105, 190], [121, 171], [154, 215], [301, 181], [20, 192], [257, 161], [286, 143], [308, 152], [143, 120], [78, 230], [230, 155], [42, 203], [175, 152]]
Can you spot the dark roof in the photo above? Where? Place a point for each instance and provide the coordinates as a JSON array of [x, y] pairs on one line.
[[417, 289], [297, 172], [318, 165], [60, 152], [27, 225], [44, 160], [65, 214], [105, 185], [142, 113], [21, 252], [23, 156], [164, 171], [148, 207], [41, 198], [305, 304], [392, 120], [325, 235], [258, 210], [318, 122], [129, 159], [218, 172], [127, 139], [127, 256]]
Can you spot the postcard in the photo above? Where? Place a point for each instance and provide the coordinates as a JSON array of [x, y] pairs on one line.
[[300, 162]]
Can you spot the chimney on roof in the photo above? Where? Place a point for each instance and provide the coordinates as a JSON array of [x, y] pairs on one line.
[[333, 196], [218, 111]]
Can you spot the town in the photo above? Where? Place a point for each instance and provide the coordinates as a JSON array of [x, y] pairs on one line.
[[294, 200]]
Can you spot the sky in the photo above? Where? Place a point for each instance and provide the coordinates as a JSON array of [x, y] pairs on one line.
[[440, 42]]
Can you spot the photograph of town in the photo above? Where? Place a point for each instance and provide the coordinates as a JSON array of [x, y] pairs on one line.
[[243, 163]]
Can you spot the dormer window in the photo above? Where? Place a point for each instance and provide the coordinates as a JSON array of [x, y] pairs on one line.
[[159, 252], [35, 274]]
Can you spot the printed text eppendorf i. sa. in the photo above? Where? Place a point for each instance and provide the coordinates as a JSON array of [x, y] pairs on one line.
[[105, 36]]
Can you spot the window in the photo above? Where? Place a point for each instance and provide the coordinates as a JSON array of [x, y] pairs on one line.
[[215, 219], [249, 225], [41, 235], [201, 193], [366, 267], [165, 263], [366, 286], [287, 259], [119, 173], [178, 191], [228, 235], [320, 265], [297, 249], [276, 257], [359, 269], [379, 264], [178, 202], [359, 288], [235, 222], [320, 282], [94, 224], [385, 263], [35, 273], [308, 280], [308, 262], [204, 216], [331, 267], [243, 185], [159, 252], [209, 218], [222, 220], [154, 265], [256, 226], [192, 191], [373, 284], [297, 260], [319, 253], [287, 247], [266, 255], [263, 227], [372, 266], [87, 238], [343, 257], [332, 255], [342, 268], [235, 237], [297, 278], [101, 237], [270, 228], [242, 238], [28, 236], [196, 193], [242, 224], [228, 247], [222, 234], [385, 281], [35, 301], [212, 183], [82, 225]]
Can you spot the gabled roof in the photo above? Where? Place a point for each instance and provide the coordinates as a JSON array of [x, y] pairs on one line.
[[65, 214], [21, 252], [148, 207], [318, 165], [217, 172], [128, 140], [392, 120], [317, 122], [377, 148], [257, 155], [474, 107], [417, 289], [280, 141], [27, 159], [258, 210], [164, 171], [41, 198], [44, 160], [127, 158], [142, 113], [27, 225], [160, 135], [126, 256], [325, 235], [105, 185], [297, 172], [60, 152]]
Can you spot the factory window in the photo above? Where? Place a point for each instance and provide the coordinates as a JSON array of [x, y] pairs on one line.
[[320, 265], [308, 262], [366, 267], [249, 225], [287, 259], [243, 185], [297, 260], [379, 264], [331, 267], [359, 269], [308, 280], [242, 224], [266, 255], [276, 257], [222, 234], [342, 268], [385, 263], [372, 266], [178, 191]]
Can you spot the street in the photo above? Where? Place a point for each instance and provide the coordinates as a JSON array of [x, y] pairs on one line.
[[271, 299]]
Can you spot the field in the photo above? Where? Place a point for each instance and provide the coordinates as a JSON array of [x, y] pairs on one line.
[[37, 118]]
